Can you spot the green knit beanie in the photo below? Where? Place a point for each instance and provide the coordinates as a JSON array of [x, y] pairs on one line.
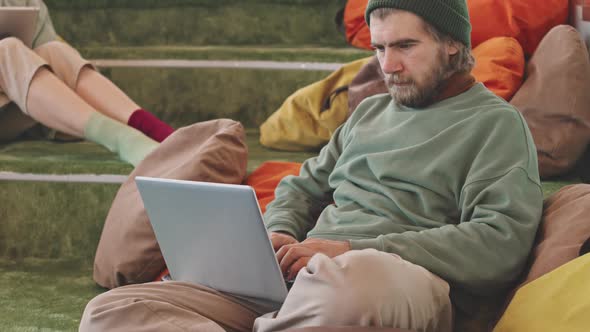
[[449, 16]]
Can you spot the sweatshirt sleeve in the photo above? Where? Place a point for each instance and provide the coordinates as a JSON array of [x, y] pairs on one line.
[[300, 199], [488, 248]]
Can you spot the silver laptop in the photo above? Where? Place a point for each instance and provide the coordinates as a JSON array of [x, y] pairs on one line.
[[213, 234], [19, 22]]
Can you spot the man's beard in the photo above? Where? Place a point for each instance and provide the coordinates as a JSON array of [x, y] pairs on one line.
[[414, 96]]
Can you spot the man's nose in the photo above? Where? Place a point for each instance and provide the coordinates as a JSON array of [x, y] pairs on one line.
[[390, 63]]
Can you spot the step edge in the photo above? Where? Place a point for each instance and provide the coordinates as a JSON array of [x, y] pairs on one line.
[[224, 64], [64, 178]]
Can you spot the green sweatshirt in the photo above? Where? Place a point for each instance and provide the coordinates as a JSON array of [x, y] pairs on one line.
[[453, 187]]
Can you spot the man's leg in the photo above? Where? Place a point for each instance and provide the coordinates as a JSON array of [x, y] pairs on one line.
[[168, 306], [99, 92], [363, 288]]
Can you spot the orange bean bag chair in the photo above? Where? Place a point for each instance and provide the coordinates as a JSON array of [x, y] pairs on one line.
[[525, 20], [499, 65]]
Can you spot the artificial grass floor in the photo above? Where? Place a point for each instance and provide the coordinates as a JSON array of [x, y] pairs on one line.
[[44, 295], [50, 295]]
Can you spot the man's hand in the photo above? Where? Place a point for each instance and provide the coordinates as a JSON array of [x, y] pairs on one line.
[[280, 239], [294, 257]]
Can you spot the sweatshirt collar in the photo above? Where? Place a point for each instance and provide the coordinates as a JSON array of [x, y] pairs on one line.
[[455, 85]]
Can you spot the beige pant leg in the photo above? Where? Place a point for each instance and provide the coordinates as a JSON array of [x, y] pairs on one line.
[[66, 63], [363, 288], [18, 65], [168, 306]]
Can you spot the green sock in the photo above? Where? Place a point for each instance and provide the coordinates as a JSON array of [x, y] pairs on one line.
[[131, 144]]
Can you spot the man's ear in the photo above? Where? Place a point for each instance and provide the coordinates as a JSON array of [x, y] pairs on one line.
[[452, 48]]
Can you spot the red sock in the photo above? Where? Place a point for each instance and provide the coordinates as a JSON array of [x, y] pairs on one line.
[[150, 125]]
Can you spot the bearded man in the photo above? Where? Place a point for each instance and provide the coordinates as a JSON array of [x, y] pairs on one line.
[[426, 198]]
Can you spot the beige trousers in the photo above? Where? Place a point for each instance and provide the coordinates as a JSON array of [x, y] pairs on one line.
[[18, 66], [358, 288]]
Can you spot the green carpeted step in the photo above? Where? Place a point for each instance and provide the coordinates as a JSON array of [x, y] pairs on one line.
[[185, 95], [181, 96], [101, 4], [197, 22], [46, 157], [251, 52], [52, 220]]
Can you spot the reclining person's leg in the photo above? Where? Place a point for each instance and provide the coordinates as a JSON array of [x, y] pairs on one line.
[[25, 79], [168, 306], [364, 288], [55, 105], [99, 92]]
